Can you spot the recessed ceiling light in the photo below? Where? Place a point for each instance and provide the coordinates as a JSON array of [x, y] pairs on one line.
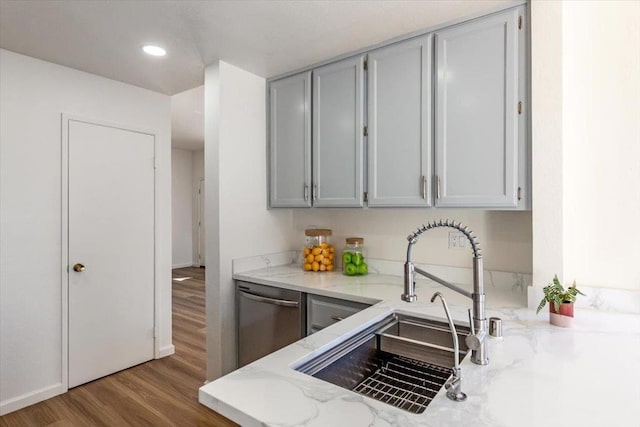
[[154, 50]]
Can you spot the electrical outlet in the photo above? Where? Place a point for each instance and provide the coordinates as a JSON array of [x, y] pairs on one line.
[[457, 240]]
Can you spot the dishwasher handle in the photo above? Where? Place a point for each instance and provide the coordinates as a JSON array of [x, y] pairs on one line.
[[281, 302]]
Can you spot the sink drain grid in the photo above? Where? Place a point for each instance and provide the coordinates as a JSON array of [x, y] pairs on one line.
[[405, 383]]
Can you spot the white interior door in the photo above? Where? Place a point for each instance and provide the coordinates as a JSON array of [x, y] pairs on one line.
[[111, 233], [201, 229]]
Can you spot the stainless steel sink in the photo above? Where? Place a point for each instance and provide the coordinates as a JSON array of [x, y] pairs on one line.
[[402, 360]]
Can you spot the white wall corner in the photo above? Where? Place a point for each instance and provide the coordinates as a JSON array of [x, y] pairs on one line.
[[547, 141]]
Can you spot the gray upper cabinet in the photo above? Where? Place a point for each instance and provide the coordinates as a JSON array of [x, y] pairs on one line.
[[477, 122], [400, 124], [338, 134], [290, 141]]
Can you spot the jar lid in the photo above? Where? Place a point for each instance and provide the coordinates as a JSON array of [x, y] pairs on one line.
[[317, 232], [355, 240]]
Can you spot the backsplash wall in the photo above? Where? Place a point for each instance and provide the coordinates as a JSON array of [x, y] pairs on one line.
[[505, 237]]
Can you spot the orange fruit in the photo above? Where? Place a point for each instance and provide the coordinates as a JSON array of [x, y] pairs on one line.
[[310, 258], [316, 250], [323, 267], [330, 267], [315, 266], [319, 257], [307, 267], [307, 251], [326, 261]]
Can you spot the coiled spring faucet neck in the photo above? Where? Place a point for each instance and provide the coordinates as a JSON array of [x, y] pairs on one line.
[[473, 240]]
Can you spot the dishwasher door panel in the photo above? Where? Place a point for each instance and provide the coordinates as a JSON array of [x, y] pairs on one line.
[[268, 319]]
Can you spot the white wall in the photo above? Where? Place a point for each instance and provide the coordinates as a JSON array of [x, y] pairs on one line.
[[182, 208], [33, 95], [601, 138], [586, 142], [197, 167], [237, 220], [505, 237]]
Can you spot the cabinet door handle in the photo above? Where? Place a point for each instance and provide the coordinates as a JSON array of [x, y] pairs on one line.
[[424, 187], [306, 192], [274, 301], [437, 187], [315, 192]]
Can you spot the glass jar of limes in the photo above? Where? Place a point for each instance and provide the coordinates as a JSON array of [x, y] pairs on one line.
[[317, 254], [353, 257]]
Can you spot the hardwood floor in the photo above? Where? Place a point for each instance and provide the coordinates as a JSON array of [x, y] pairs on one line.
[[161, 392]]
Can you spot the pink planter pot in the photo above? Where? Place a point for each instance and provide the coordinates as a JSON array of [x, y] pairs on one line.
[[563, 317]]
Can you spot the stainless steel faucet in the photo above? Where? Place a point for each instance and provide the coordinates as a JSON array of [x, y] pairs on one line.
[[453, 386], [476, 341]]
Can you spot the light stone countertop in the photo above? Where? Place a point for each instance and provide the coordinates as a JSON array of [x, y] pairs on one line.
[[538, 374]]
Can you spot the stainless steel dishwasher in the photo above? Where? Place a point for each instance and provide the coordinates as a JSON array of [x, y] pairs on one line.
[[268, 319]]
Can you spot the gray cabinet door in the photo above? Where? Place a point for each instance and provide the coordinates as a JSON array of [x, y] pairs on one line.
[[400, 124], [338, 134], [290, 141], [477, 113]]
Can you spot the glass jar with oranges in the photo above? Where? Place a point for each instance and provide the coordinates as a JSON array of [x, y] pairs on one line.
[[317, 254]]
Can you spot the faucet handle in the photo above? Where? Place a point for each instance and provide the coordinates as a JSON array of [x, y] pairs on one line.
[[473, 328], [473, 340]]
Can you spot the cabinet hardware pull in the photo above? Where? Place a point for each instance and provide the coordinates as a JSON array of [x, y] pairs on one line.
[[424, 187], [519, 22], [519, 193], [274, 301], [366, 131], [314, 192], [306, 192], [366, 197], [437, 187], [520, 107]]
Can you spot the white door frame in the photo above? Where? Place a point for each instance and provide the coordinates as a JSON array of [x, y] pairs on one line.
[[200, 208], [66, 118]]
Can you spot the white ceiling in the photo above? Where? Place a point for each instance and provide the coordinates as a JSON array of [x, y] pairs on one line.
[[264, 37]]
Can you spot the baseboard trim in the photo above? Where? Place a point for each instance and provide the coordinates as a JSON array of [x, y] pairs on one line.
[[29, 399], [167, 350], [183, 265]]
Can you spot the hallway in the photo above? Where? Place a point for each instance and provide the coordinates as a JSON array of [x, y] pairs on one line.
[[161, 392]]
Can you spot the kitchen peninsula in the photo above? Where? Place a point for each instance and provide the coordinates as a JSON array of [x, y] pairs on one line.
[[535, 372]]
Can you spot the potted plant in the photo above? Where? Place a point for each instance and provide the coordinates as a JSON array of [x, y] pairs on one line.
[[560, 302]]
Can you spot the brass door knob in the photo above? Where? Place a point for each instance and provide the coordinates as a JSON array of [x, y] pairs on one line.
[[78, 267]]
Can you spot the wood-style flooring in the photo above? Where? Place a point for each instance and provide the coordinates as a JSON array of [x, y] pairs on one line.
[[161, 392]]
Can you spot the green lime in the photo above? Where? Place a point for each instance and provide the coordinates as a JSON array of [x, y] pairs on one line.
[[362, 268], [350, 269], [346, 258], [357, 258]]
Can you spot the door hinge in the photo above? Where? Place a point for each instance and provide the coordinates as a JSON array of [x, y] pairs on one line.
[[366, 131], [519, 193], [519, 22], [366, 196], [519, 107], [365, 64]]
